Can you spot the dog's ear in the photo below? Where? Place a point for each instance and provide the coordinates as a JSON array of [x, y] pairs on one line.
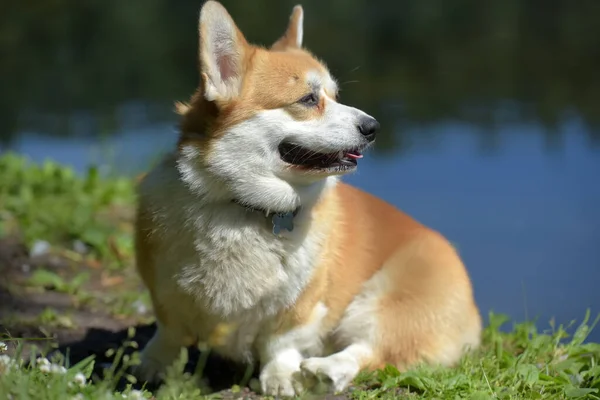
[[222, 53], [292, 38]]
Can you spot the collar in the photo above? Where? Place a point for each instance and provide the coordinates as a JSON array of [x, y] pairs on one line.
[[279, 220]]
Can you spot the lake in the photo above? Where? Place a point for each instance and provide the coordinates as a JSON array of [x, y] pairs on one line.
[[490, 116]]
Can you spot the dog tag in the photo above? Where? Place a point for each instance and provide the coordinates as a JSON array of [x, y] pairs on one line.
[[282, 221]]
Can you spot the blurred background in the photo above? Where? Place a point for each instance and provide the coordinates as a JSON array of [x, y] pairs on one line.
[[490, 114]]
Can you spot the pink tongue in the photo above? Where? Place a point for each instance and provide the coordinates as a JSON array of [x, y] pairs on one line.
[[354, 155]]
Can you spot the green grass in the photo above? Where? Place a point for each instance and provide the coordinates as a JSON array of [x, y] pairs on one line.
[[521, 364], [53, 379], [50, 202]]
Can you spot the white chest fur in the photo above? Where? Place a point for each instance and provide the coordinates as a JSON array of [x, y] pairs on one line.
[[238, 265], [222, 263]]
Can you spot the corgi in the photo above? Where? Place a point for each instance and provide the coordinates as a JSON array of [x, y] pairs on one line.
[[248, 241]]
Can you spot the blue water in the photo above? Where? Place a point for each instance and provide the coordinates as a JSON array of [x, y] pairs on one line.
[[525, 217]]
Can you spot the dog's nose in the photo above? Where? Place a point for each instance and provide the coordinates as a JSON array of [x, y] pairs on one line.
[[368, 126]]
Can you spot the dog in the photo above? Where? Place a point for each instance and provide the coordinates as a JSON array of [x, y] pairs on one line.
[[247, 239]]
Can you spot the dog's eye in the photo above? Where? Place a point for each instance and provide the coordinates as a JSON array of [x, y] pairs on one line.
[[309, 100]]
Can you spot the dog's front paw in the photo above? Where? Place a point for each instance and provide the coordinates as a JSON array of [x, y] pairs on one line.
[[278, 378], [150, 370], [329, 374], [156, 357]]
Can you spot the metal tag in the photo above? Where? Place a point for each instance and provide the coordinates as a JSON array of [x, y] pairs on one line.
[[282, 221]]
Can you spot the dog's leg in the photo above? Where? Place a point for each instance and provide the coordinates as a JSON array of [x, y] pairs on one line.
[[334, 373], [418, 308], [280, 375], [282, 353], [170, 336], [356, 336], [160, 353]]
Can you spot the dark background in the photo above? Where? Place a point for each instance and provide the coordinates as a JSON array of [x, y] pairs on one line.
[[490, 113]]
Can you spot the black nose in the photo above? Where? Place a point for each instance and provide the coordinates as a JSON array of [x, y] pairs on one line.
[[368, 127]]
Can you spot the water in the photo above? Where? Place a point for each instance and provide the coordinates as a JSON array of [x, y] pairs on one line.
[[490, 117]]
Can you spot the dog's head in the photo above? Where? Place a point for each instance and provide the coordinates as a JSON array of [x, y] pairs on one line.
[[266, 123]]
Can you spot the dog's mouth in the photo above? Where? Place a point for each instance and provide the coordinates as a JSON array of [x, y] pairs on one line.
[[299, 156]]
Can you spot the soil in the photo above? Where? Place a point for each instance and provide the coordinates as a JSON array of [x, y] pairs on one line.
[[90, 329]]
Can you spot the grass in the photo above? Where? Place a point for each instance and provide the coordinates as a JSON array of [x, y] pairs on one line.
[[41, 378], [521, 364], [81, 224], [49, 203]]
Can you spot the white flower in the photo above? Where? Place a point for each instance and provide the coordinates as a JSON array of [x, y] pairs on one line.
[[42, 361], [135, 395], [5, 360], [39, 248], [3, 347], [57, 369], [78, 396], [79, 379], [44, 368]]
